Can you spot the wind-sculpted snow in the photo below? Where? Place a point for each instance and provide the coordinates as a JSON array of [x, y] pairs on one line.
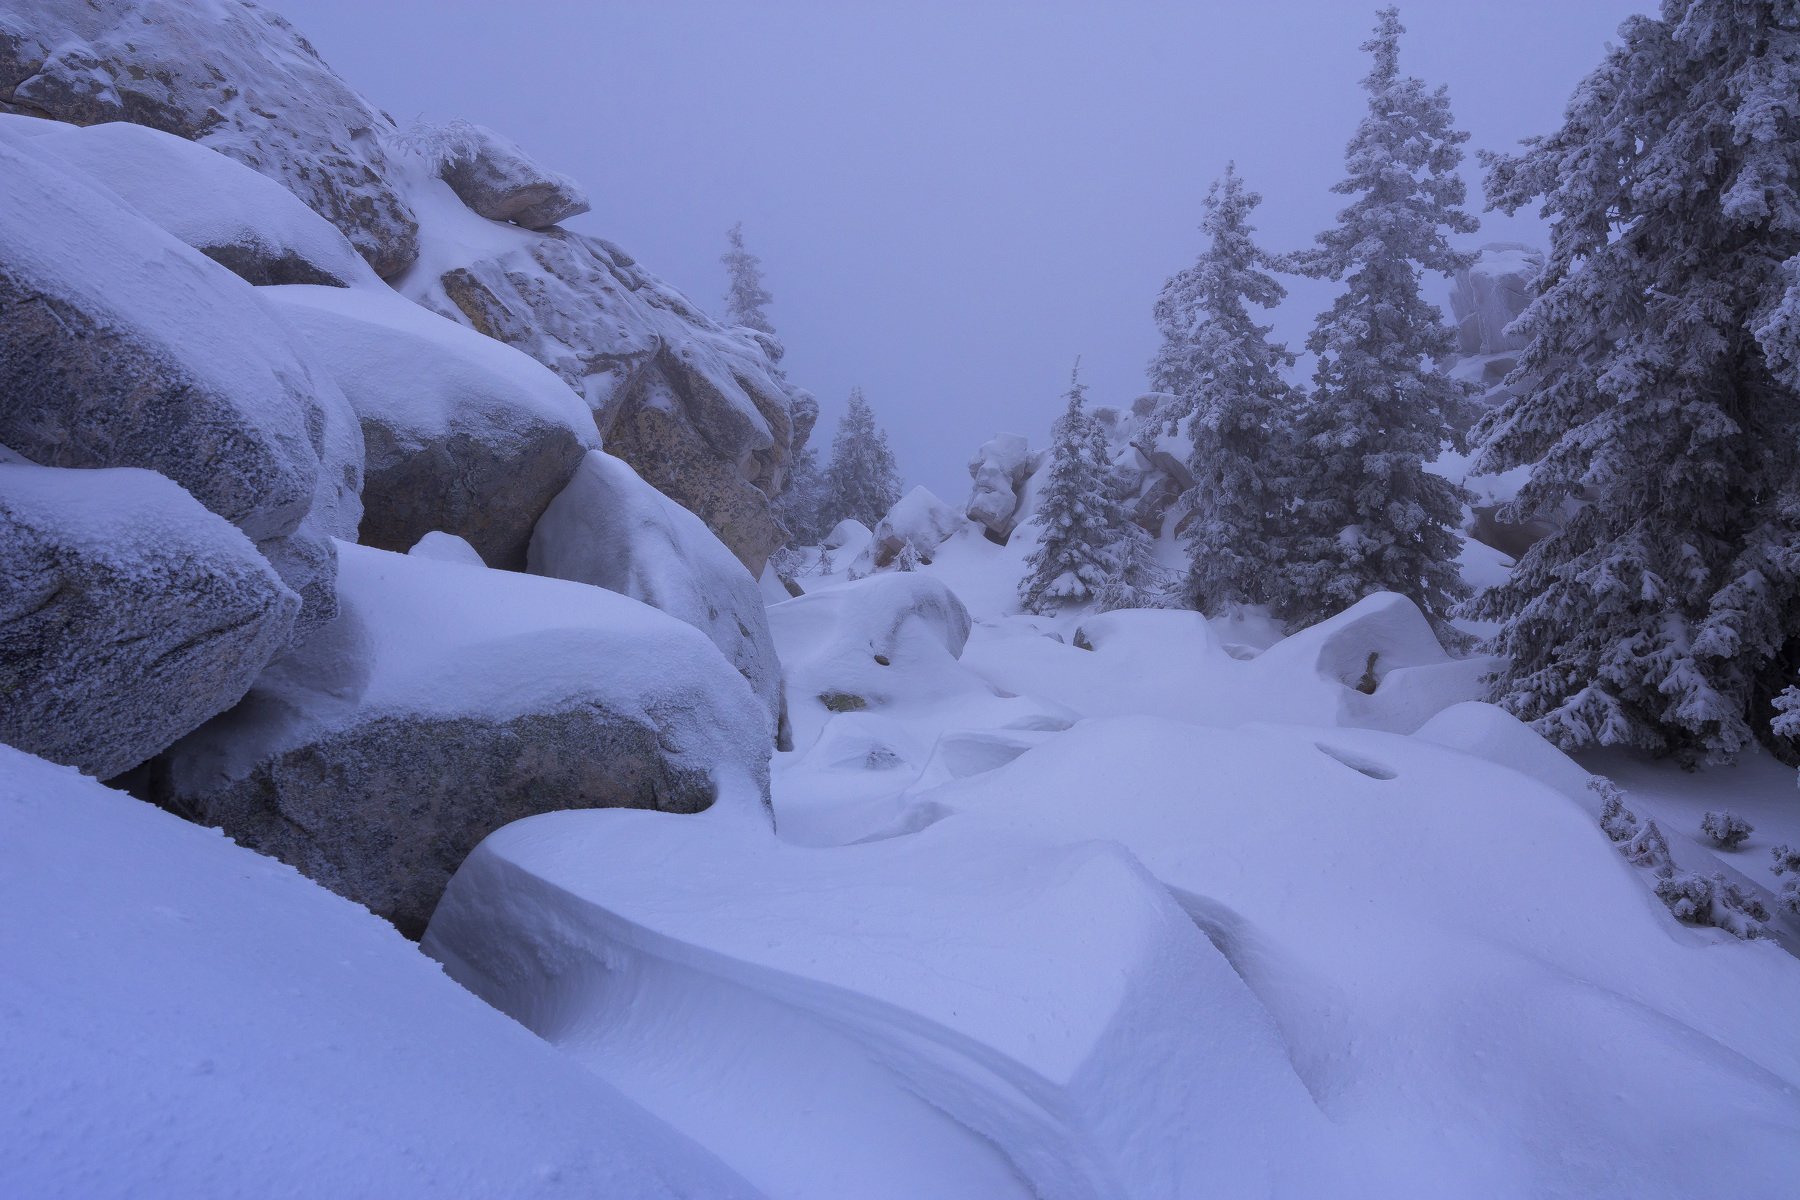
[[186, 1018], [233, 76], [955, 1015]]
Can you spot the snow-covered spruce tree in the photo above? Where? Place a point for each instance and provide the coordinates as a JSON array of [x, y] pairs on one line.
[[1660, 392], [804, 500], [1078, 520], [861, 482], [1137, 579], [1369, 516], [746, 299], [1227, 376]]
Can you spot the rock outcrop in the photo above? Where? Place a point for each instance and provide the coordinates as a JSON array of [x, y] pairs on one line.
[[230, 75], [129, 614], [610, 529], [462, 434], [244, 221], [447, 700], [999, 470], [122, 347], [491, 175], [919, 520], [1489, 295]]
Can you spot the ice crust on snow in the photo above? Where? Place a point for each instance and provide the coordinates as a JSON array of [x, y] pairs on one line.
[[208, 1024]]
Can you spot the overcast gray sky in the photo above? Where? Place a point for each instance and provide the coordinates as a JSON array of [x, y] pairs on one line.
[[952, 200]]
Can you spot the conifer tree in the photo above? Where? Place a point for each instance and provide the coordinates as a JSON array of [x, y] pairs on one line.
[[804, 501], [1370, 517], [1227, 381], [862, 481], [1658, 394], [746, 299], [1078, 521]]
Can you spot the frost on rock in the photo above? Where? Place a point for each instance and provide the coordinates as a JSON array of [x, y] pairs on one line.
[[122, 347], [463, 434], [918, 521], [244, 221], [610, 529], [999, 470], [231, 75], [1488, 295], [186, 1018], [447, 700], [494, 177], [129, 614], [956, 1014]]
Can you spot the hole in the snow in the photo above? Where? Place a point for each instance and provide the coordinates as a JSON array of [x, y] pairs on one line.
[[1369, 682], [1365, 766]]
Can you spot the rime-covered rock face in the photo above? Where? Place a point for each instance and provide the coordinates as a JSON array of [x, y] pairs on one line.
[[501, 182], [1489, 295], [128, 614], [699, 410], [999, 470], [232, 76]]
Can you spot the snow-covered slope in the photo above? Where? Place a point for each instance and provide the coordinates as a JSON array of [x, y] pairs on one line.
[[185, 1018]]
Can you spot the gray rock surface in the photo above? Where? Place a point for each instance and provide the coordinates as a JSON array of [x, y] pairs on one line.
[[244, 221], [122, 347], [229, 74], [610, 529], [494, 177], [129, 614], [1489, 295], [999, 470], [462, 434], [700, 411], [447, 700]]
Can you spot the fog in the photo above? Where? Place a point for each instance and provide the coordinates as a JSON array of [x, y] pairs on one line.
[[952, 200]]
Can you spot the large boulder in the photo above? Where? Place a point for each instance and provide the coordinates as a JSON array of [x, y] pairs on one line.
[[244, 221], [610, 529], [231, 75], [447, 700], [122, 347], [999, 470], [1488, 296], [918, 519], [463, 434], [700, 411], [494, 177], [129, 614]]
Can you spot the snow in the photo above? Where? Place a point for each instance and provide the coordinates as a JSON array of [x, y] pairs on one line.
[[918, 517], [186, 1018], [421, 374], [203, 197], [446, 547]]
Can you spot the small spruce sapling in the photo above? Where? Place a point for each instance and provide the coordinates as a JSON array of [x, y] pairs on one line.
[[1787, 863], [1726, 828]]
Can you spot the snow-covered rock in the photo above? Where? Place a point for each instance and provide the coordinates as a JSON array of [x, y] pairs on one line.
[[700, 411], [918, 519], [129, 614], [848, 535], [1487, 296], [946, 1015], [123, 347], [446, 547], [494, 177], [999, 470], [186, 1018], [231, 75], [240, 219], [463, 434], [610, 529], [447, 700]]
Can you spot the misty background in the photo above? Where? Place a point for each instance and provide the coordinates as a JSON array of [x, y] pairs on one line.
[[953, 200]]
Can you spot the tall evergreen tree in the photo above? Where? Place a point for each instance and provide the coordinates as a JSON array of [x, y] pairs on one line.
[[746, 299], [1658, 392], [862, 481], [803, 503], [1078, 521], [1227, 376], [1371, 517]]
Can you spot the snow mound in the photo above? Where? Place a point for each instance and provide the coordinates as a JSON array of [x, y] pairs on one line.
[[208, 1024], [946, 1015], [918, 519], [446, 547], [848, 535], [242, 220]]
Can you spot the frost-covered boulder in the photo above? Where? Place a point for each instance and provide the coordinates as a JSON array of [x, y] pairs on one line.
[[240, 219], [610, 529], [231, 75], [494, 177], [129, 614], [462, 434], [918, 519], [1488, 295], [999, 470], [849, 536], [699, 410], [447, 700], [946, 1015], [187, 1018], [122, 347]]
